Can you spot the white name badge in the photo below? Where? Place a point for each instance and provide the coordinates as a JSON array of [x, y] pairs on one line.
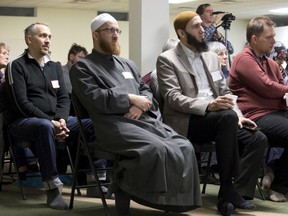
[[55, 83], [216, 75], [127, 75]]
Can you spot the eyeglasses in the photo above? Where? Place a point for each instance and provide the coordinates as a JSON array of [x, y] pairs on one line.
[[110, 30]]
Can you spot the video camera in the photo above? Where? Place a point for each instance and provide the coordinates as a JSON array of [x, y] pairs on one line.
[[228, 17]]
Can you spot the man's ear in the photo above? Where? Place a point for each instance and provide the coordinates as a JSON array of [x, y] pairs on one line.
[[29, 39], [95, 35], [181, 33], [254, 39], [71, 56]]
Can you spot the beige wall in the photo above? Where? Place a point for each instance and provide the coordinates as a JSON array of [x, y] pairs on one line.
[[67, 26], [71, 25]]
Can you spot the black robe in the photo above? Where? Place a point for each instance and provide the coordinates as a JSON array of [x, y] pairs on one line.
[[158, 166]]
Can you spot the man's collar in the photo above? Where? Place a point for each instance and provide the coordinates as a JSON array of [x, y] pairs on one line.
[[189, 52], [46, 58], [256, 54]]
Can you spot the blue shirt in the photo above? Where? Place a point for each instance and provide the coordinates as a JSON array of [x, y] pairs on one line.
[[210, 36]]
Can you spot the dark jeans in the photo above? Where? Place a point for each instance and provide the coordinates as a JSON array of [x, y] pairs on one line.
[[275, 127], [239, 151], [44, 149], [42, 133]]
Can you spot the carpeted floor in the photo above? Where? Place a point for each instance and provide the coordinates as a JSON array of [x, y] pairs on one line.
[[11, 204]]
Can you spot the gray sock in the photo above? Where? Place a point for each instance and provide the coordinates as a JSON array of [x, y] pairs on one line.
[[55, 200]]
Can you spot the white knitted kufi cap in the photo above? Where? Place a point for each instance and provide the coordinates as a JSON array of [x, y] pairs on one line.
[[100, 20]]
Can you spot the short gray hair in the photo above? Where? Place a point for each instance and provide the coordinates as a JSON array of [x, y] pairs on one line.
[[217, 47], [30, 30], [170, 43]]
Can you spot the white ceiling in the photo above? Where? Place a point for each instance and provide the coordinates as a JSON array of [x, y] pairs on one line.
[[242, 9]]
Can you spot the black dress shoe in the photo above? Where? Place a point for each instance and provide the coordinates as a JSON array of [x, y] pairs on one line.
[[225, 208]]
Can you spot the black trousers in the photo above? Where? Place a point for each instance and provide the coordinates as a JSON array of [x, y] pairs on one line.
[[275, 127], [239, 151]]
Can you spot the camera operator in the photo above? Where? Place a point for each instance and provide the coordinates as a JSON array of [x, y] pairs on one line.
[[210, 23]]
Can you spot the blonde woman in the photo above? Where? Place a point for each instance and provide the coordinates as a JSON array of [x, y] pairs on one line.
[[4, 58]]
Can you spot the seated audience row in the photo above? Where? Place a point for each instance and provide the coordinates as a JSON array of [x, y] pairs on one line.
[[158, 167]]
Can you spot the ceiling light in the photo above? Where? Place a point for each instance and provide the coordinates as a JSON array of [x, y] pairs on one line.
[[179, 1], [280, 11]]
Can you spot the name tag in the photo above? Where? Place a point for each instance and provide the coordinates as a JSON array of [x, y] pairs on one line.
[[216, 75], [127, 75], [55, 83]]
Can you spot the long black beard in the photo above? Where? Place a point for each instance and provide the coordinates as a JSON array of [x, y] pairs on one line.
[[200, 46]]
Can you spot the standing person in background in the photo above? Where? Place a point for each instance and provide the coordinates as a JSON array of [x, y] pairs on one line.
[[157, 166], [198, 105], [210, 23], [258, 82], [76, 52]]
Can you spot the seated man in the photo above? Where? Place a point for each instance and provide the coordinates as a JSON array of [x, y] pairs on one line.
[[196, 105], [75, 53], [260, 87], [158, 167], [39, 106]]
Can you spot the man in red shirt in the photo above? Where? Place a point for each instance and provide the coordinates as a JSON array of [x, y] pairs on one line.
[[259, 85]]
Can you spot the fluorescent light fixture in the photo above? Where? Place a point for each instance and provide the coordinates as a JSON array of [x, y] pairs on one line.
[[179, 1], [280, 11]]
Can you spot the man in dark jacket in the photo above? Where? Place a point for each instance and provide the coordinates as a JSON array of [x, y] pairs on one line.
[[40, 106]]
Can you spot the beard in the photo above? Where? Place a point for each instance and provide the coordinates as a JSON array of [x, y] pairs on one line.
[[113, 49], [201, 46]]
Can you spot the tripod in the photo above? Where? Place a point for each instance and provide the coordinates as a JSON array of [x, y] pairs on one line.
[[226, 25]]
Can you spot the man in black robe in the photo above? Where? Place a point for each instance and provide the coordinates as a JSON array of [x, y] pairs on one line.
[[158, 167]]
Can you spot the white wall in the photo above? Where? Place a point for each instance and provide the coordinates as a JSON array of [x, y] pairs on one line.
[[149, 27], [282, 35]]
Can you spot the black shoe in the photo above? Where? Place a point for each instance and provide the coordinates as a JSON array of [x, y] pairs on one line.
[[225, 208], [235, 199]]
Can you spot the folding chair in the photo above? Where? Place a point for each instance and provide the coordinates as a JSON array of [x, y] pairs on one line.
[[90, 150], [3, 161], [261, 173], [199, 148]]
